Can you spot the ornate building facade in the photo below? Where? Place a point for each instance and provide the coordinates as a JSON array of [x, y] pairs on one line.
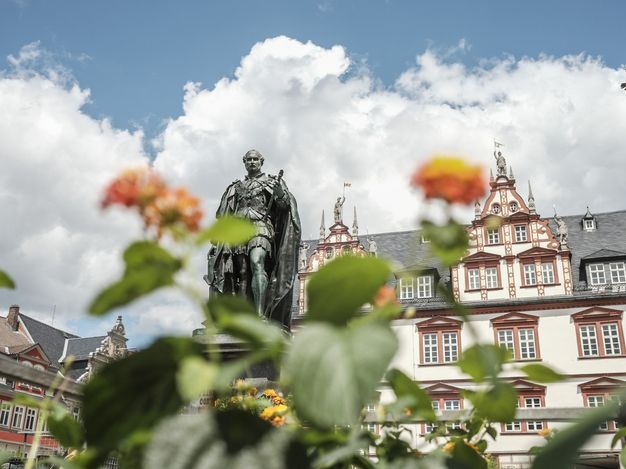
[[48, 350], [550, 290]]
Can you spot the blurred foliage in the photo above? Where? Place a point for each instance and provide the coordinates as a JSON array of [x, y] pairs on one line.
[[139, 408]]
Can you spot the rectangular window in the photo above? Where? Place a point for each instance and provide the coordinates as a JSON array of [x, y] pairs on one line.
[[493, 236], [520, 233], [534, 426], [596, 274], [597, 401], [618, 272], [610, 338], [424, 286], [473, 276], [406, 288], [18, 417], [31, 418], [513, 426], [435, 405], [450, 347], [530, 277], [527, 344], [589, 225], [452, 404], [547, 271], [5, 413], [588, 340], [532, 402], [430, 348], [505, 339], [491, 276]]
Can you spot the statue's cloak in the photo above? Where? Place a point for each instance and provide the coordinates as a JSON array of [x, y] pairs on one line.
[[283, 261]]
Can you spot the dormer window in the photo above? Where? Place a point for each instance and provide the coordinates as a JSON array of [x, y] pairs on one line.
[[589, 221], [618, 272], [406, 288], [596, 274], [514, 207], [424, 286], [425, 240], [495, 208]]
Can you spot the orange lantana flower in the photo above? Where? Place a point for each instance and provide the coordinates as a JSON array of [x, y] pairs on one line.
[[450, 179], [385, 295], [160, 206]]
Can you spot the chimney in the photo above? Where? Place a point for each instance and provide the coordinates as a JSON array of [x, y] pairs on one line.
[[12, 319]]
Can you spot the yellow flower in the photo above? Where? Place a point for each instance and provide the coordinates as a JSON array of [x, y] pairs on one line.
[[273, 411], [544, 432], [448, 447], [270, 393]]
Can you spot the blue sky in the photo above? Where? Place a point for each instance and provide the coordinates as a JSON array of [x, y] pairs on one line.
[[89, 88], [135, 56]]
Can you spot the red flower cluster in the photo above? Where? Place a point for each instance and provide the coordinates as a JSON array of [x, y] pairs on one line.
[[160, 206], [450, 179]]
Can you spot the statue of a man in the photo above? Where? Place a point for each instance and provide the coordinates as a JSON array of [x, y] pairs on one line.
[[561, 229], [339, 209], [500, 163], [263, 269], [302, 257]]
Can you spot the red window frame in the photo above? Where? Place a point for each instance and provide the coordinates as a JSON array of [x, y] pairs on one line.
[[597, 317], [439, 326], [440, 393], [527, 390], [516, 322], [604, 387]]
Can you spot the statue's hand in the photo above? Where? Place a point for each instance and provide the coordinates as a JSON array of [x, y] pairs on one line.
[[277, 189]]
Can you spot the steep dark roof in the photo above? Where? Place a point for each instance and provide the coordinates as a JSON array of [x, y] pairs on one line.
[[405, 249], [610, 234], [81, 347], [51, 339], [604, 254]]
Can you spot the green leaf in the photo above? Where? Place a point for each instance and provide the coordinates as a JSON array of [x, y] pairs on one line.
[[148, 267], [6, 281], [333, 372], [621, 433], [465, 457], [483, 361], [195, 377], [66, 430], [447, 242], [497, 404], [235, 316], [228, 230], [219, 305], [542, 374], [134, 393], [562, 449], [341, 287], [254, 330], [420, 402], [232, 439]]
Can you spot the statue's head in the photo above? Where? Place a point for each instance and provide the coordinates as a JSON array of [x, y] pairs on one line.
[[338, 199], [253, 155]]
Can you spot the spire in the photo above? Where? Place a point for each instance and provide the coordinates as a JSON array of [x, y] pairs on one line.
[[355, 224], [477, 210], [511, 172], [531, 199], [588, 214], [322, 228]]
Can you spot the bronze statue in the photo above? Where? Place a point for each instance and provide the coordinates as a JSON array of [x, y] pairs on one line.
[[262, 270]]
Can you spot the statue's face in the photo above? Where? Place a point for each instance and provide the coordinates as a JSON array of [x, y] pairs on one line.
[[253, 162]]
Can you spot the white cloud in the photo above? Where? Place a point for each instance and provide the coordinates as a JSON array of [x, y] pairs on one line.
[[317, 115]]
